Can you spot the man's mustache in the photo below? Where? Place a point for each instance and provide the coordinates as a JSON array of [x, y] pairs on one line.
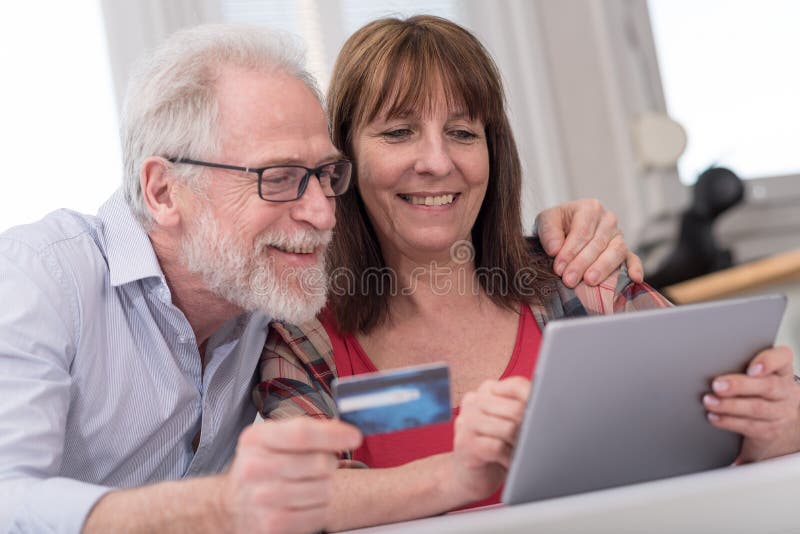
[[301, 239]]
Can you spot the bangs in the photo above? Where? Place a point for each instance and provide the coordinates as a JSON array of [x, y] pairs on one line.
[[413, 67]]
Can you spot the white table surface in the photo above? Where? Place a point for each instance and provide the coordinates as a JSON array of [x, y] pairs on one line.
[[762, 498]]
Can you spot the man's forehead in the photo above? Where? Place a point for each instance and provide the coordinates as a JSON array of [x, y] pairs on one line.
[[267, 95], [271, 118]]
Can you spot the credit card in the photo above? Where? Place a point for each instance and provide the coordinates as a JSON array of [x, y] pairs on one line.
[[398, 399]]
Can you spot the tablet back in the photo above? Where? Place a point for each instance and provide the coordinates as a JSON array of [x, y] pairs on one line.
[[617, 399]]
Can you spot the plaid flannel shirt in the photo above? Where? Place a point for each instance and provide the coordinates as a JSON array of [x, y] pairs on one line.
[[297, 364]]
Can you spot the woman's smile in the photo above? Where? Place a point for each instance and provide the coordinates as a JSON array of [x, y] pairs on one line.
[[430, 200]]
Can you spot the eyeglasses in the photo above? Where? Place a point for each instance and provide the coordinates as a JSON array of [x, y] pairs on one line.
[[284, 183]]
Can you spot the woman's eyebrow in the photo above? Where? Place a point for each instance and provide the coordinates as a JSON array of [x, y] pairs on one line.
[[460, 114]]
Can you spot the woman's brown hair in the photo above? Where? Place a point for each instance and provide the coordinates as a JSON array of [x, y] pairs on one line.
[[394, 66]]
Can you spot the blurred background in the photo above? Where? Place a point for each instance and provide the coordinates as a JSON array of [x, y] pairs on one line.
[[628, 101]]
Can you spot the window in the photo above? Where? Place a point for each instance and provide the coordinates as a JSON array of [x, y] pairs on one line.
[[324, 26], [729, 76], [59, 129]]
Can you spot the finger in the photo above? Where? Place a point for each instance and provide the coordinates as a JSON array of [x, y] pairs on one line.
[[581, 232], [635, 267], [746, 408], [550, 229], [488, 426], [751, 428], [515, 387], [606, 235], [490, 450], [497, 393], [771, 387], [492, 405], [303, 434], [606, 263], [777, 360], [510, 409]]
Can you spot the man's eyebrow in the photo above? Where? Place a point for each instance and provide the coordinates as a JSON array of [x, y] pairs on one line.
[[333, 156]]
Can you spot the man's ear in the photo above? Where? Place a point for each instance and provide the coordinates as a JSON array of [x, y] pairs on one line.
[[160, 191]]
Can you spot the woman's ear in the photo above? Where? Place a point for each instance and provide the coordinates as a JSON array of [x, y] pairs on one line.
[[160, 191]]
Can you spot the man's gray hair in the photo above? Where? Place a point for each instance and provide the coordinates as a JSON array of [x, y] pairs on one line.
[[171, 107]]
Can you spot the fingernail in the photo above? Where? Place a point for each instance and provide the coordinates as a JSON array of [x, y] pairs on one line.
[[593, 277], [710, 400], [755, 370], [712, 416], [560, 266], [571, 279], [719, 385]]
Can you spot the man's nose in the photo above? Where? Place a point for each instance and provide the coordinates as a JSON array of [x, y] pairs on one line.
[[314, 207]]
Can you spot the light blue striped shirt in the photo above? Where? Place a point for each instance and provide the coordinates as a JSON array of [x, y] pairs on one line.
[[100, 376]]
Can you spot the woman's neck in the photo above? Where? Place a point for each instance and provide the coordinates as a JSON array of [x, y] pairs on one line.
[[427, 286]]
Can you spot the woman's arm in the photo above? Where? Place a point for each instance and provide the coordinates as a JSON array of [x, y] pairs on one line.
[[485, 434]]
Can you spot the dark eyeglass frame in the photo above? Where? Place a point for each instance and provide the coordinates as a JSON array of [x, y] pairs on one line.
[[301, 187]]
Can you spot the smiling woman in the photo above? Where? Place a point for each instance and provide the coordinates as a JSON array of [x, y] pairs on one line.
[[421, 107], [59, 129], [447, 153]]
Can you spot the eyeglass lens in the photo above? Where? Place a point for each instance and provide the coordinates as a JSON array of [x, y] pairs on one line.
[[283, 183]]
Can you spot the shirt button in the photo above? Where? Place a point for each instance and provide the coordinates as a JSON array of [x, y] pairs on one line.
[[183, 339]]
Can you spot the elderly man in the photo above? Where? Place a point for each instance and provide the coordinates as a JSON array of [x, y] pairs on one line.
[[128, 341]]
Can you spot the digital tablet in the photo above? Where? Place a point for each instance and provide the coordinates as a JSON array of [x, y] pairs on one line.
[[617, 399]]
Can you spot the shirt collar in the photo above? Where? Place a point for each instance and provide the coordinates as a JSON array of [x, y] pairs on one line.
[[129, 252]]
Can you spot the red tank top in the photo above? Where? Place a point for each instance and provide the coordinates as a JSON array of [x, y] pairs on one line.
[[397, 448]]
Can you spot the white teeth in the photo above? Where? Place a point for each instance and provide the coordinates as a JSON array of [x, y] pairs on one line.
[[439, 200], [297, 250]]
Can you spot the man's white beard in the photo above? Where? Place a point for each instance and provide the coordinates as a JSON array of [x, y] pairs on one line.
[[248, 279]]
